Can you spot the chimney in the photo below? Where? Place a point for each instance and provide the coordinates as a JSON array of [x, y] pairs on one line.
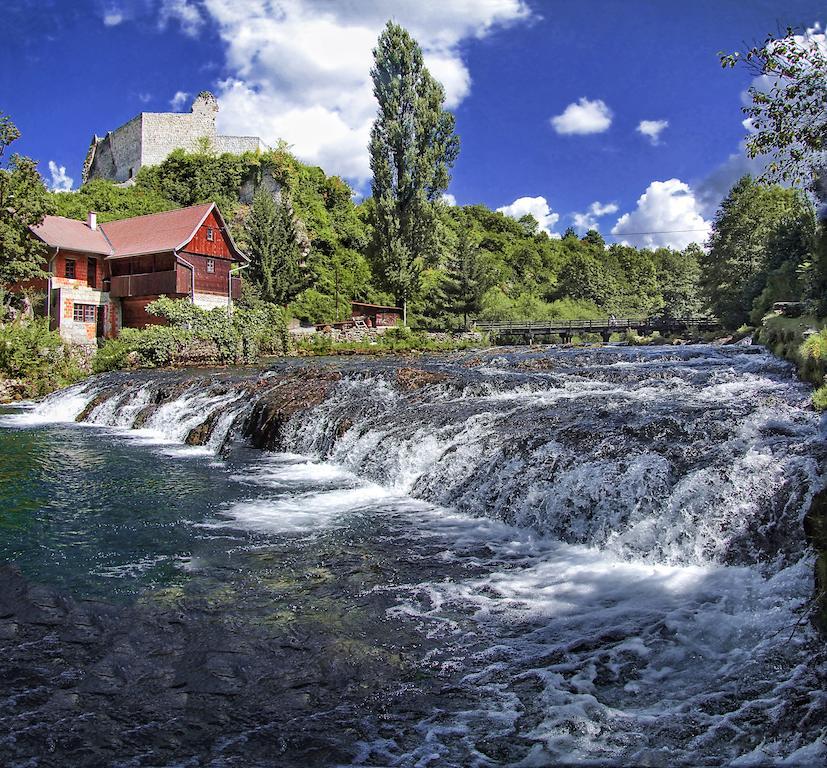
[[92, 220]]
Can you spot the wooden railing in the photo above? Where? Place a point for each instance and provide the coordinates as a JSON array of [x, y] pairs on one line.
[[570, 327], [149, 284]]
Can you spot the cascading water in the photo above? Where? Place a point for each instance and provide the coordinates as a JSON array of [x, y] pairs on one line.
[[598, 554]]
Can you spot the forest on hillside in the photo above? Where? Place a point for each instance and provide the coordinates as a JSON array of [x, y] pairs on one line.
[[489, 265]]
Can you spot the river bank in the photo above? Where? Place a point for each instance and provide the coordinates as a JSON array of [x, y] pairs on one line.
[[598, 551]]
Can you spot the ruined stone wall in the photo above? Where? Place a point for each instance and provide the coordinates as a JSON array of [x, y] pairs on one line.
[[165, 131], [238, 145], [117, 153], [149, 138]]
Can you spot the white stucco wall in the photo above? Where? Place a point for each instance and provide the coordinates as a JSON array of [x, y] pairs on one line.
[[210, 301]]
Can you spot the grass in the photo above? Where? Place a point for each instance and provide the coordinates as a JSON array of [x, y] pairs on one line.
[[803, 341]]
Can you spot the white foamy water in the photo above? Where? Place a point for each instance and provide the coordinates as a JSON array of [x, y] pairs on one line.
[[616, 568]]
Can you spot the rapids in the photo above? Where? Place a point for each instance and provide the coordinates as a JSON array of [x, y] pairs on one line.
[[523, 557]]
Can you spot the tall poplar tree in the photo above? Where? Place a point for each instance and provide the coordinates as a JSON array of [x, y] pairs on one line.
[[412, 147]]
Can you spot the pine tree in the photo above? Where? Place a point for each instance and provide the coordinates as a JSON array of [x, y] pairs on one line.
[[412, 147], [273, 249], [465, 277]]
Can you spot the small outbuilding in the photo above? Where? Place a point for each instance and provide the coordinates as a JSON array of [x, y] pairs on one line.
[[375, 315]]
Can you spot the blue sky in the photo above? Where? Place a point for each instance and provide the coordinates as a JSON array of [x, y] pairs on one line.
[[549, 96]]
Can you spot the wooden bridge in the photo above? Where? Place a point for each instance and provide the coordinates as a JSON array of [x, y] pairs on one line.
[[530, 330]]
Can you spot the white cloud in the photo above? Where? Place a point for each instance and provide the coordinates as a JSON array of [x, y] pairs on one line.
[[61, 182], [112, 17], [449, 199], [652, 129], [583, 117], [300, 69], [588, 220], [669, 212], [185, 12], [538, 207], [179, 101]]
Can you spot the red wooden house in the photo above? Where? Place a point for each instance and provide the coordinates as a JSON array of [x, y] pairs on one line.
[[103, 276]]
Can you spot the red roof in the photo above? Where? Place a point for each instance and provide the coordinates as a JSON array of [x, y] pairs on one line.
[[155, 232], [152, 233], [72, 235]]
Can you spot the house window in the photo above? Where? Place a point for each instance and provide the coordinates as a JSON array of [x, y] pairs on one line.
[[70, 269], [211, 265], [210, 234], [84, 313]]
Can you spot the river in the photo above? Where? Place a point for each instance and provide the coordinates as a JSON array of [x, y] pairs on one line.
[[520, 557]]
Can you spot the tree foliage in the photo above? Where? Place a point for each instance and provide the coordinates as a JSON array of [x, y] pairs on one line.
[[747, 246], [465, 277], [24, 202], [273, 248], [788, 109], [412, 148]]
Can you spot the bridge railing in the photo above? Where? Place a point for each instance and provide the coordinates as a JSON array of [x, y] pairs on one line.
[[620, 323]]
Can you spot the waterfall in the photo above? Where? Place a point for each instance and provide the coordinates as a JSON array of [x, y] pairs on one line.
[[694, 456], [602, 549]]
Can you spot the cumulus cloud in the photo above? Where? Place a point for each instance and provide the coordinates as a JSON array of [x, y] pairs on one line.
[[668, 213], [583, 117], [185, 12], [449, 199], [112, 17], [61, 181], [299, 70], [652, 129], [179, 101], [538, 207], [715, 185], [588, 219]]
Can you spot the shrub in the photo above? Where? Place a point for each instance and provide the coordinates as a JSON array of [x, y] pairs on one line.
[[813, 357], [820, 398], [193, 334], [31, 352]]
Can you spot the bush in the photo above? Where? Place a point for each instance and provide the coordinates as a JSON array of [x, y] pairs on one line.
[[197, 335], [813, 357], [31, 352], [820, 399]]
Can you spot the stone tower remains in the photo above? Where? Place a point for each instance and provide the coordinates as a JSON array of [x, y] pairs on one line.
[[149, 138]]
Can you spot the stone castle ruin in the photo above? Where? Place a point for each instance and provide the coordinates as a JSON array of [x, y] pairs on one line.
[[149, 138]]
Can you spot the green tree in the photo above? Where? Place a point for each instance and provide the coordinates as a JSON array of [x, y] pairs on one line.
[[788, 121], [594, 238], [273, 249], [110, 201], [788, 108], [412, 148], [585, 277], [735, 268], [465, 277], [24, 202], [678, 275]]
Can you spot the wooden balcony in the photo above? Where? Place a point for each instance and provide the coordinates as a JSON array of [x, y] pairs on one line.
[[151, 284]]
